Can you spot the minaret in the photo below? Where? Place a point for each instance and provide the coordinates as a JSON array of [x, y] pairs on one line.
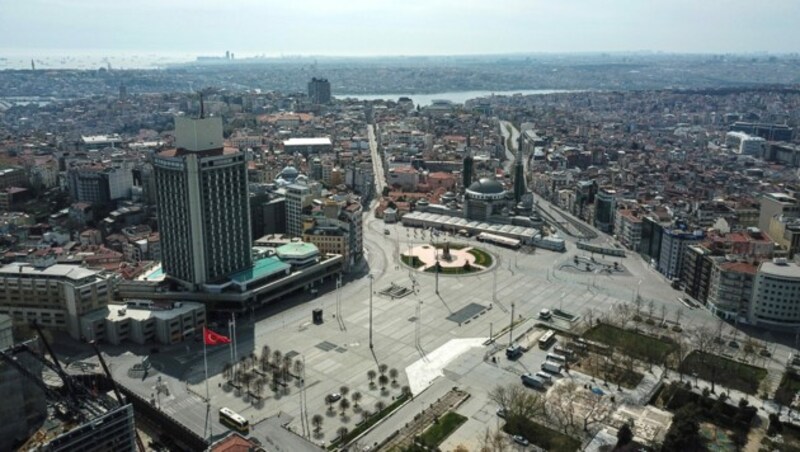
[[467, 170], [33, 65], [519, 172]]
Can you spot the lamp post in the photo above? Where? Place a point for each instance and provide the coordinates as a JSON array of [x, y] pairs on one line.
[[370, 312]]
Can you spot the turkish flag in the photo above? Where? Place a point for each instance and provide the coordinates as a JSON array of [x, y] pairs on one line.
[[212, 338]]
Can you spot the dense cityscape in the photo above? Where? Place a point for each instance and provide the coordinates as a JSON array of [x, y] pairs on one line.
[[246, 253]]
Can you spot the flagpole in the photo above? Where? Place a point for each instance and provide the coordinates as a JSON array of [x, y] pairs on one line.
[[205, 363], [230, 346], [235, 354]]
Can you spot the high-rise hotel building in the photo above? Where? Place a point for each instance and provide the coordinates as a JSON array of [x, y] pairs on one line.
[[203, 205]]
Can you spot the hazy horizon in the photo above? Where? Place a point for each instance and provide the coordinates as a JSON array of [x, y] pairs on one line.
[[364, 28]]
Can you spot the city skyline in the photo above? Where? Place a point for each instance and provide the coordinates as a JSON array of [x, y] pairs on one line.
[[441, 27]]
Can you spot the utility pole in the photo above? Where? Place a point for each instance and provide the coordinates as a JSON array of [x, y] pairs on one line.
[[370, 312], [511, 328]]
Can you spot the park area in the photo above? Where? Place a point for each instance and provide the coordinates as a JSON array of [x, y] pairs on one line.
[[447, 258], [438, 432], [540, 435], [789, 387], [723, 371], [631, 343]]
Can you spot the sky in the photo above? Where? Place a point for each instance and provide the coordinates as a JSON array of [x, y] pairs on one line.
[[401, 27]]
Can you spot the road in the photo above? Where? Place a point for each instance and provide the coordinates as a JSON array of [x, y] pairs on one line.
[[510, 152], [377, 161]]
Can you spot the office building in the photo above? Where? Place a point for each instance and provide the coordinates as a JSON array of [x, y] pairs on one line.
[[54, 296], [319, 91], [298, 197], [776, 295], [776, 205], [674, 243], [744, 144], [267, 214], [771, 132], [203, 204], [100, 184], [783, 153], [628, 228], [337, 229], [730, 288], [308, 146], [604, 206], [697, 272]]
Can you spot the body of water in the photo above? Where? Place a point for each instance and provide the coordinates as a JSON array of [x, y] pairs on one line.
[[458, 97]]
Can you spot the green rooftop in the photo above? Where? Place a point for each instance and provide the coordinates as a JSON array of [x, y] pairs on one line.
[[296, 250], [260, 269]]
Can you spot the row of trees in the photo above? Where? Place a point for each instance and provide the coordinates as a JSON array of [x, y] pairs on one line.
[[570, 408], [384, 376], [254, 372]]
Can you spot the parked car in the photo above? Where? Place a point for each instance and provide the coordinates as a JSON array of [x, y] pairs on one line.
[[519, 439], [333, 397]]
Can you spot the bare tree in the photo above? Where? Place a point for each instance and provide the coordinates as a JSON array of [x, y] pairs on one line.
[[383, 380], [265, 354], [356, 398], [277, 356], [678, 315], [344, 404], [382, 369], [344, 390], [493, 440], [708, 342], [518, 401], [393, 373], [651, 307], [663, 313], [379, 406], [227, 371], [371, 374], [316, 421], [561, 404], [342, 432], [597, 408], [298, 368]]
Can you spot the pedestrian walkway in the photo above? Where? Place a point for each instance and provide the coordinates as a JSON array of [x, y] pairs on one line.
[[406, 434]]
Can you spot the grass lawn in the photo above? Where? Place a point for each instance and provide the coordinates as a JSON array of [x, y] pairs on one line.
[[630, 343], [453, 246], [790, 385], [724, 371], [482, 258], [452, 270], [370, 422], [612, 373], [438, 432], [411, 261], [541, 436]]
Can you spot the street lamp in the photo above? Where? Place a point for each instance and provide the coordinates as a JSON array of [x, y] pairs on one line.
[[370, 311]]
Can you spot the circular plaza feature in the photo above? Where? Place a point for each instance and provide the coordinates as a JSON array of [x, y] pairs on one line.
[[452, 258]]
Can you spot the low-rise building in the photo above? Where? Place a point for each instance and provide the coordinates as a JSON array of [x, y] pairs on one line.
[[54, 296], [144, 322]]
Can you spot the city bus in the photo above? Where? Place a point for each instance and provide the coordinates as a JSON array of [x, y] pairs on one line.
[[233, 420], [547, 339], [499, 240]]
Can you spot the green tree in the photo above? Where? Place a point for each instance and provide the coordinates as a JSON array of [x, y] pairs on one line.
[[624, 436], [684, 434]]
